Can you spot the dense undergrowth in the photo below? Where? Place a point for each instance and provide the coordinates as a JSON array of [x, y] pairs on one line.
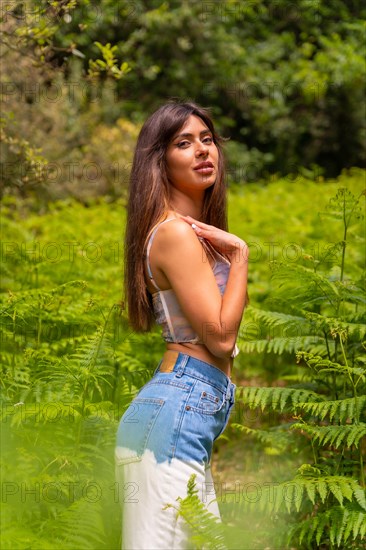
[[70, 366]]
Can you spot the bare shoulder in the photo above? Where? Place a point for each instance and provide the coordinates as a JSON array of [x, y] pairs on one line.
[[174, 247], [177, 226], [176, 234], [177, 248]]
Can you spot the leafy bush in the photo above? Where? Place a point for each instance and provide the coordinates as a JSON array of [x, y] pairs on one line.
[[325, 310], [69, 368], [285, 81]]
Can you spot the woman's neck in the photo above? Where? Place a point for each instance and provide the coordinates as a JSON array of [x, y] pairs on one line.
[[196, 214]]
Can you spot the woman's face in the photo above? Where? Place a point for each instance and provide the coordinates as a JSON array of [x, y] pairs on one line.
[[192, 157]]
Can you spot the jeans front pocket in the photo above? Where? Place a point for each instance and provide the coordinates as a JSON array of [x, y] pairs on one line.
[[207, 399], [210, 402], [135, 427]]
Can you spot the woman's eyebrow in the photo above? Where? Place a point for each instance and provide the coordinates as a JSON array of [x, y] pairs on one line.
[[190, 135]]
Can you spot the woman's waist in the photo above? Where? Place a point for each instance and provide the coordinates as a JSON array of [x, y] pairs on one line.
[[200, 351], [183, 364]]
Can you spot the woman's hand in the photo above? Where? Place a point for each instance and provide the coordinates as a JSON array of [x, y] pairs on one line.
[[224, 242]]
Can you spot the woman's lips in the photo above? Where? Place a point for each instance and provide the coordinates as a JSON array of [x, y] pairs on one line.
[[205, 168]]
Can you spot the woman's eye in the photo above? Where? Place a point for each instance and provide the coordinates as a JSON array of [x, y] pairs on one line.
[[186, 143]]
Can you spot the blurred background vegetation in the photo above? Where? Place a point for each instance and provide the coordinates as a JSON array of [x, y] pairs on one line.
[[285, 82]]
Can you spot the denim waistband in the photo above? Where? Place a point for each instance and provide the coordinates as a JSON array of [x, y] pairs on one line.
[[201, 370]]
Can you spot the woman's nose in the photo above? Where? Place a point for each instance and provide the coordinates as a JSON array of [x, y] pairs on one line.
[[202, 149]]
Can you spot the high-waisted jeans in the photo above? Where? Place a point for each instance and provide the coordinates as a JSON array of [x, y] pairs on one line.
[[164, 437]]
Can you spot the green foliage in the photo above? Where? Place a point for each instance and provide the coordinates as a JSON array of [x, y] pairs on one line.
[[108, 63], [277, 397], [53, 110], [32, 26], [345, 435], [205, 528], [276, 75], [285, 82], [339, 410], [325, 307], [343, 522], [69, 368], [28, 164]]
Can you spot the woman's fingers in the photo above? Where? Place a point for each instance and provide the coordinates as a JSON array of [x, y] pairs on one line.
[[225, 242], [199, 224], [195, 224]]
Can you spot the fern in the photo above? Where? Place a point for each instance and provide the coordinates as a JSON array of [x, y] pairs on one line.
[[281, 345], [326, 309], [340, 410], [328, 324], [90, 532], [320, 364], [276, 398], [289, 495], [334, 435], [275, 319], [311, 287], [205, 528], [277, 439], [339, 523]]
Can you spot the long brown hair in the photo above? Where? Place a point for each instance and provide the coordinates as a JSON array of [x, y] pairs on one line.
[[148, 202]]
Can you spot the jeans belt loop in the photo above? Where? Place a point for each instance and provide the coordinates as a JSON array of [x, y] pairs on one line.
[[228, 392], [183, 361]]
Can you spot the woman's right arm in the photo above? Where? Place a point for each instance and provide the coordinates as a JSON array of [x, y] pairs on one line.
[[181, 257]]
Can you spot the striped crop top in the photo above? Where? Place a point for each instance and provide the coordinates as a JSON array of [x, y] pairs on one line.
[[167, 310]]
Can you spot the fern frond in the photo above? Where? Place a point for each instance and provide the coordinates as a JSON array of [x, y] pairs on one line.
[[323, 365], [289, 494], [89, 367], [340, 410], [303, 285], [281, 345], [90, 533], [276, 319], [338, 523], [298, 378], [277, 439], [327, 324], [14, 537], [96, 350], [334, 435], [277, 398], [29, 299], [205, 527]]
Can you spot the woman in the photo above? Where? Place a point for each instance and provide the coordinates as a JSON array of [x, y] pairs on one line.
[[185, 270]]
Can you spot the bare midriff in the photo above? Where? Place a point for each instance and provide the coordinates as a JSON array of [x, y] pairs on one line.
[[200, 351]]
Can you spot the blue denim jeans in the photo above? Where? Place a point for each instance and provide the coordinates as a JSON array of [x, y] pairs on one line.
[[165, 436]]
